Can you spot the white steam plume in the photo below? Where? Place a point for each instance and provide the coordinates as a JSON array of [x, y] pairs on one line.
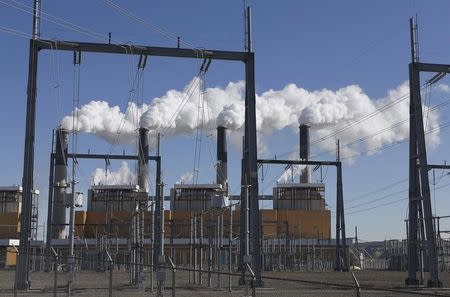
[[122, 176], [107, 122], [185, 178], [325, 110]]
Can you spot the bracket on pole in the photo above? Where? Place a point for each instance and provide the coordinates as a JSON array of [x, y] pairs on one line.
[[205, 65], [76, 57], [142, 61]]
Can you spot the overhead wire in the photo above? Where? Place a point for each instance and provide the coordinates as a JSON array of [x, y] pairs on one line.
[[54, 19], [389, 203], [147, 24]]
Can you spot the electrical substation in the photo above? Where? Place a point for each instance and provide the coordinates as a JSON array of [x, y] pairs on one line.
[[204, 234]]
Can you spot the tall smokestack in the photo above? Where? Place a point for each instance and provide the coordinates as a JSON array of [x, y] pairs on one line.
[[222, 166], [143, 161], [60, 185], [305, 176]]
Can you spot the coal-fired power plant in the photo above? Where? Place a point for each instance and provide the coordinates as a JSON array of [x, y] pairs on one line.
[[60, 185]]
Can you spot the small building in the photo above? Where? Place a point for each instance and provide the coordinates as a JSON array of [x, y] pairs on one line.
[[299, 196], [10, 210], [194, 197]]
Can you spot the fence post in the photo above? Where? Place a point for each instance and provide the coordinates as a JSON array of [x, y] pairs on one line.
[[15, 271], [111, 266], [55, 271], [252, 282], [358, 288], [174, 269]]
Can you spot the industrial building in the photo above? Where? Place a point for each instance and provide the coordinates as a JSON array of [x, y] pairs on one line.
[[10, 213], [203, 221], [200, 218]]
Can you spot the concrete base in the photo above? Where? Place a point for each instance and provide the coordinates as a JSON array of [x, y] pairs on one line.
[[411, 282], [434, 284]]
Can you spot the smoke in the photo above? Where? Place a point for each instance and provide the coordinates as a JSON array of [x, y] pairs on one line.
[[291, 174], [106, 122], [325, 110], [122, 176], [185, 178]]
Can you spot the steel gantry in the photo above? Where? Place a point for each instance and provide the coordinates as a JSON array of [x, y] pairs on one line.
[[250, 170], [341, 261], [419, 188]]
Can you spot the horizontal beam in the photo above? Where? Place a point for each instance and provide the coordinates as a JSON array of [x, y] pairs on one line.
[[298, 162], [109, 157], [434, 166], [428, 67], [129, 49]]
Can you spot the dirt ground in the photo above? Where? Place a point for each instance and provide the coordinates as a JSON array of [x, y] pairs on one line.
[[283, 284]]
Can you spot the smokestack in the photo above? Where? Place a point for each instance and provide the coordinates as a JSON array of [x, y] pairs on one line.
[[305, 176], [143, 161], [60, 185], [222, 167]]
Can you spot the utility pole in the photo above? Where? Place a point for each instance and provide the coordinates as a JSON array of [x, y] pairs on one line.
[[419, 187], [251, 164], [22, 270]]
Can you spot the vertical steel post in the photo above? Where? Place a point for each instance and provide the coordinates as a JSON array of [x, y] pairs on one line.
[[22, 271], [424, 181], [158, 227], [22, 267], [230, 241], [251, 150], [414, 191], [50, 207], [342, 214], [338, 265], [242, 217], [201, 250]]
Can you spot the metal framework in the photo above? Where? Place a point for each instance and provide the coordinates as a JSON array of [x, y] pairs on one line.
[[341, 262], [250, 170], [419, 187]]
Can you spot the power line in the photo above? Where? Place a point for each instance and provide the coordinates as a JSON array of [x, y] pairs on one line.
[[389, 203], [381, 131], [368, 194], [366, 117], [142, 21]]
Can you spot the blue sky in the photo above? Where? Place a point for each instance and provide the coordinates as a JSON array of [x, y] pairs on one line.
[[313, 44]]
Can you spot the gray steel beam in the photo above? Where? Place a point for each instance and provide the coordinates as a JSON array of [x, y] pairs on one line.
[[428, 67], [22, 270], [437, 166], [414, 191], [340, 192], [129, 49], [109, 157], [424, 181], [252, 166], [298, 162], [159, 219]]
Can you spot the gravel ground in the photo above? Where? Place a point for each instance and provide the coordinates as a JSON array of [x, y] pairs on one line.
[[298, 284]]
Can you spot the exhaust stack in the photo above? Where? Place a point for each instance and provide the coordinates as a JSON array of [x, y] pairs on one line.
[[60, 185], [143, 161], [222, 166], [305, 176]]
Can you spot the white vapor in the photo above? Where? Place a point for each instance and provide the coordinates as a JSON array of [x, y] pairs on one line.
[[291, 174], [122, 176], [106, 122], [325, 110], [185, 178]]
